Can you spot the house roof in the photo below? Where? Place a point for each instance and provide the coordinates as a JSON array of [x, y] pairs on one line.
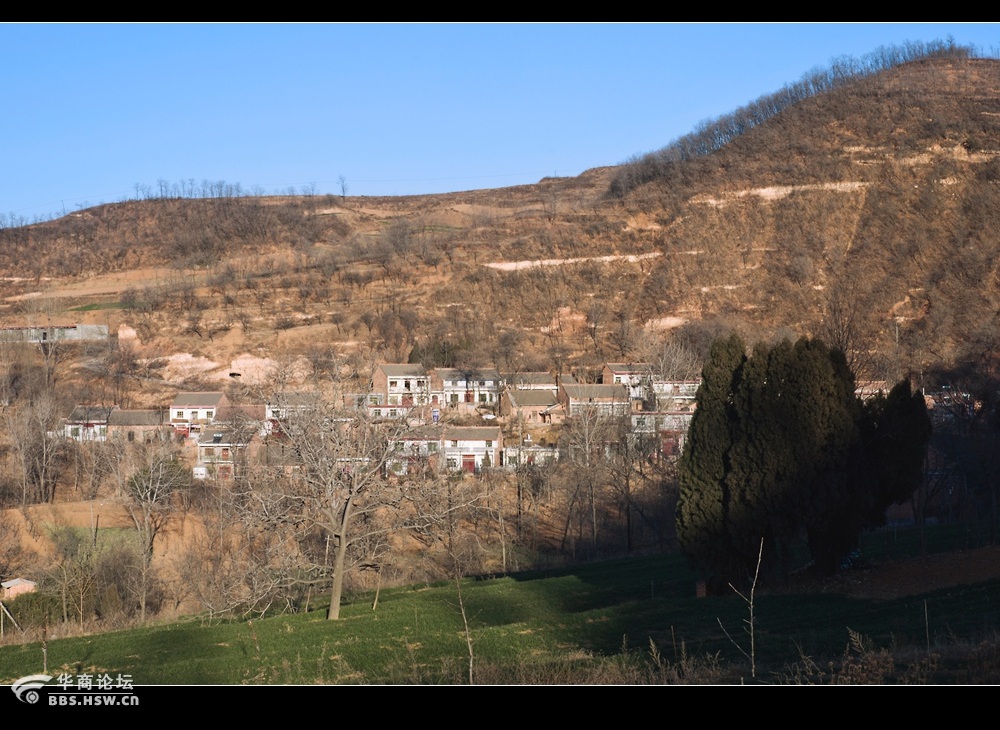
[[530, 378], [614, 391], [402, 370], [452, 433], [137, 418], [471, 433], [221, 437], [293, 398], [423, 433], [198, 399], [520, 398], [90, 414], [13, 582], [628, 367], [467, 374], [240, 414], [545, 379]]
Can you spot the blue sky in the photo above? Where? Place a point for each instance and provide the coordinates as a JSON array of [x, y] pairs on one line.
[[91, 110]]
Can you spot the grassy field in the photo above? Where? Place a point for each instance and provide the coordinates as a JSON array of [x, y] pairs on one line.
[[622, 621]]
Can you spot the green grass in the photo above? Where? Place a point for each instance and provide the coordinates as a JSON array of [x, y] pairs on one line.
[[542, 624]]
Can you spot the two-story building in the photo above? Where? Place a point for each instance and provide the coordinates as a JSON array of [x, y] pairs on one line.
[[532, 406], [465, 388], [471, 448], [400, 385], [666, 429], [634, 375], [448, 448], [674, 395], [191, 412], [609, 400], [222, 453]]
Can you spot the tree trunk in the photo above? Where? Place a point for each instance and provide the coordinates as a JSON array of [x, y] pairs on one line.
[[339, 560], [339, 563]]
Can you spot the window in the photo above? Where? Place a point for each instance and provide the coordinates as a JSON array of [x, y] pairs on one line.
[[209, 414], [618, 378], [454, 444], [489, 444], [393, 383], [406, 384], [75, 432], [482, 397], [452, 463], [432, 447], [393, 400], [180, 414], [454, 397], [378, 413]]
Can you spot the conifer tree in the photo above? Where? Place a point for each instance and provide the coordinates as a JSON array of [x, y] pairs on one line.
[[780, 449], [703, 501]]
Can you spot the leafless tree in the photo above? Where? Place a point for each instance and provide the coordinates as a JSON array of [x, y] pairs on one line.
[[669, 359], [338, 493], [156, 475], [585, 440], [37, 446], [847, 327]]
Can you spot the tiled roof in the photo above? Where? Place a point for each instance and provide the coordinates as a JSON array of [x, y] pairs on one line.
[[197, 399], [471, 433], [531, 397], [402, 370], [615, 391], [90, 414], [137, 418]]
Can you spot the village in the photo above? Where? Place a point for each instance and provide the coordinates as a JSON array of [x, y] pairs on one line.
[[450, 419]]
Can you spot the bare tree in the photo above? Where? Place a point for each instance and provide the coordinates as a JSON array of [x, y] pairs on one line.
[[339, 491], [156, 475], [342, 182], [336, 498], [847, 327], [242, 559], [37, 446], [585, 440], [669, 359]]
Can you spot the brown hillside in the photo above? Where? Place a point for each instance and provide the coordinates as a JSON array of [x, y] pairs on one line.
[[875, 203]]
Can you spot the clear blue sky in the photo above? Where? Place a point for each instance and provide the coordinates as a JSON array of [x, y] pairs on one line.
[[90, 110]]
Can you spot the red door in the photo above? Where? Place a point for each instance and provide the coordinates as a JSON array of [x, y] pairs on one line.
[[469, 463]]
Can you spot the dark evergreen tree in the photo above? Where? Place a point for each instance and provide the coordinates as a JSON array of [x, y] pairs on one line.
[[783, 451], [703, 501]]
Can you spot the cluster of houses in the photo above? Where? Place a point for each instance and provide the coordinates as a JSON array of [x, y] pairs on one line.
[[527, 406]]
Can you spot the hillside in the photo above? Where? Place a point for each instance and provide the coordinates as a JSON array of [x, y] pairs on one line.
[[865, 214]]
